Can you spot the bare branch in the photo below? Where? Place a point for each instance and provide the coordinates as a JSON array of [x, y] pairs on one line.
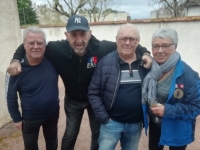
[[71, 7], [175, 7], [49, 4], [80, 5], [97, 7]]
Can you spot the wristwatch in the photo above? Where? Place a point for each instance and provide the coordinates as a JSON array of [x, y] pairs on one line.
[[14, 60]]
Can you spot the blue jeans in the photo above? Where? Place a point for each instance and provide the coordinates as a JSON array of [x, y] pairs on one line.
[[128, 134]]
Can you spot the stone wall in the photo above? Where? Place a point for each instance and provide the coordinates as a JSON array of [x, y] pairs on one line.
[[10, 38], [188, 32]]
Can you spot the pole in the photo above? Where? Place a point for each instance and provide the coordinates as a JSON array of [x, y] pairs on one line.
[[24, 17]]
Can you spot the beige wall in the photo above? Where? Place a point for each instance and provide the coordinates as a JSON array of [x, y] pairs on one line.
[[10, 38], [188, 32]]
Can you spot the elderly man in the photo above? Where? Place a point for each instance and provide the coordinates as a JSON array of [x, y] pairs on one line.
[[37, 79], [115, 92], [75, 60]]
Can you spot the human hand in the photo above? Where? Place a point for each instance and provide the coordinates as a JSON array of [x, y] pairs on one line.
[[147, 61], [14, 68], [18, 125], [158, 109]]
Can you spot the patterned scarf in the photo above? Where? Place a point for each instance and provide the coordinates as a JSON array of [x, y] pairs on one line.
[[157, 71]]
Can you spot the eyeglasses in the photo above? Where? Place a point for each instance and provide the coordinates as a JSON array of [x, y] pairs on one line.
[[125, 39], [165, 47], [32, 44]]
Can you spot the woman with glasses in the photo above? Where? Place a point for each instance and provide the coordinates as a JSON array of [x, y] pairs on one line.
[[171, 94]]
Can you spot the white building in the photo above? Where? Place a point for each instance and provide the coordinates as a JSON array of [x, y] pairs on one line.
[[192, 8], [50, 16], [160, 13], [111, 17]]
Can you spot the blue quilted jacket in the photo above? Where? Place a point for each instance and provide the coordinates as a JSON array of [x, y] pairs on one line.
[[105, 83], [178, 122]]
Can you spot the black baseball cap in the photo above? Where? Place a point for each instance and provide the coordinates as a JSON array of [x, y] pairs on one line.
[[77, 22]]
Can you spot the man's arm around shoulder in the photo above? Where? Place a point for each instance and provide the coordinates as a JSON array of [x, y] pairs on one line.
[[146, 57]]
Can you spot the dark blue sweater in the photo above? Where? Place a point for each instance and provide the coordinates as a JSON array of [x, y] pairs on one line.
[[38, 90]]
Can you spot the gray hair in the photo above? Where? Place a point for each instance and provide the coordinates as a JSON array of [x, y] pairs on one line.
[[128, 25], [33, 29], [166, 33]]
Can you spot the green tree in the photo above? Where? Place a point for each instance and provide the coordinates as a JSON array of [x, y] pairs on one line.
[[26, 12]]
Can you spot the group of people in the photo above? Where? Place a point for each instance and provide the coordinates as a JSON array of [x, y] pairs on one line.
[[120, 85]]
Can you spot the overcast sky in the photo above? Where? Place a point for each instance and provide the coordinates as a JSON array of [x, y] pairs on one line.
[[138, 9]]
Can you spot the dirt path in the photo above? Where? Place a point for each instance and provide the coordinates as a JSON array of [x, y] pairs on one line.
[[11, 139]]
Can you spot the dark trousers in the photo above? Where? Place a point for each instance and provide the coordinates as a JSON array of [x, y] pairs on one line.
[[154, 137], [30, 131], [74, 112]]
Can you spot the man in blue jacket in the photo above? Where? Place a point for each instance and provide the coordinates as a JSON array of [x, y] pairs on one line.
[[37, 86], [115, 92]]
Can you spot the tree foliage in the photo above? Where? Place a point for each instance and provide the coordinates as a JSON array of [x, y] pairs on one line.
[[27, 14], [175, 7]]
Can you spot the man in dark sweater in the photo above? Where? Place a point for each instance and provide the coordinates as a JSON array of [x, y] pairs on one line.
[[37, 86], [75, 60]]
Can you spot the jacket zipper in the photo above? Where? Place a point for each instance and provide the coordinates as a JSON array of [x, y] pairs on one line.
[[118, 82], [80, 79], [115, 89], [141, 75], [130, 71]]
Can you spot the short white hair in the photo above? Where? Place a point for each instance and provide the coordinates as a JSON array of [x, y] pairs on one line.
[[33, 29], [166, 33]]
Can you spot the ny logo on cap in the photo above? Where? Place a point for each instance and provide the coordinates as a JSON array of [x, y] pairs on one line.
[[77, 20]]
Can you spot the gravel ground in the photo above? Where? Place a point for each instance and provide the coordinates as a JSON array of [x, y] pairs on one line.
[[11, 139]]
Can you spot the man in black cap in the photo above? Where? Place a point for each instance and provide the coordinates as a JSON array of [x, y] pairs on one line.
[[75, 61]]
